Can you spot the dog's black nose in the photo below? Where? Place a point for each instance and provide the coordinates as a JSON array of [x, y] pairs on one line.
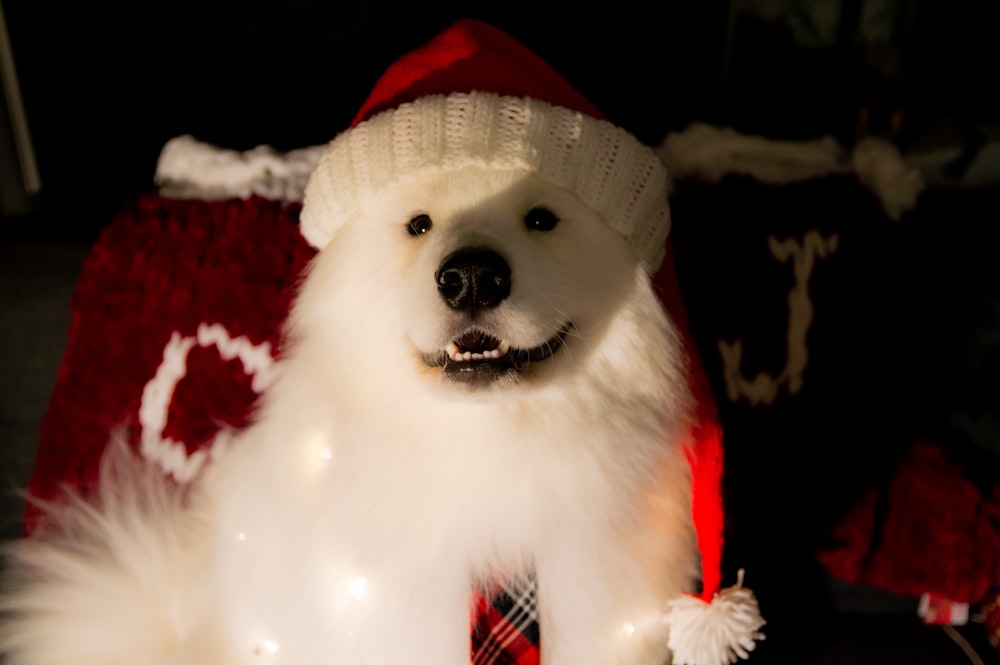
[[473, 279]]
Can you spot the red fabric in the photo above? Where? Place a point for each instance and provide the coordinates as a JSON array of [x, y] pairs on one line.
[[165, 266], [940, 534], [471, 56], [705, 452], [505, 628], [991, 617]]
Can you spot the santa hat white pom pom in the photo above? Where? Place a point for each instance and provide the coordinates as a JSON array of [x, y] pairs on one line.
[[716, 633]]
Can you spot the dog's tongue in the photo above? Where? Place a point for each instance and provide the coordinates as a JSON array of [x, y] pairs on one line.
[[477, 341]]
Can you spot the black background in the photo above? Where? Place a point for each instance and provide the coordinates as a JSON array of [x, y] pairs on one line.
[[105, 85]]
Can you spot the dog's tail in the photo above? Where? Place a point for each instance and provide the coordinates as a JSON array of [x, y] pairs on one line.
[[108, 579]]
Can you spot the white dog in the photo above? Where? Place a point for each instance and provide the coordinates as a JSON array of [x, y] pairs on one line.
[[480, 384]]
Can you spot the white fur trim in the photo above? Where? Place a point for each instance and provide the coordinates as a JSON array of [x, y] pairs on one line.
[[605, 166], [189, 168], [717, 633], [710, 153], [880, 166]]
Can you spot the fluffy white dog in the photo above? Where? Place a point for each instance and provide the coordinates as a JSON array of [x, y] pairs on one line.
[[480, 383]]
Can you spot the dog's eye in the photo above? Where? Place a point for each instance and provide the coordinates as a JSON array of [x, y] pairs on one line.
[[419, 225], [540, 219]]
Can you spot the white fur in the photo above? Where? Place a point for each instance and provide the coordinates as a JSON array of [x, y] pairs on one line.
[[350, 522]]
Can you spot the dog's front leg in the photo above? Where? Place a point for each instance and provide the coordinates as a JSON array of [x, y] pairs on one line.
[[599, 604], [412, 615]]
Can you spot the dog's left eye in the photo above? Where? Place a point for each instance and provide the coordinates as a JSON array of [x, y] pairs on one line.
[[419, 225], [540, 219]]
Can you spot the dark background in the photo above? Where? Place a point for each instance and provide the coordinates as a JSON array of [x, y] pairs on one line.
[[105, 85]]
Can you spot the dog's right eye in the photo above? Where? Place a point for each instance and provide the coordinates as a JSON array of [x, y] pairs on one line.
[[540, 219], [419, 225]]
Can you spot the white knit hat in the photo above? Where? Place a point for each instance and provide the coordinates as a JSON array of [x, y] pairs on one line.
[[473, 96]]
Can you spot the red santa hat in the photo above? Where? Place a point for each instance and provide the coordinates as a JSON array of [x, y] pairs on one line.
[[473, 96]]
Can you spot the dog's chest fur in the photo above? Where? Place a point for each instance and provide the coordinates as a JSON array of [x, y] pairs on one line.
[[481, 484], [436, 499]]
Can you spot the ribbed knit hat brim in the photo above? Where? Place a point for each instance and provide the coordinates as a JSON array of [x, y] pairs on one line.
[[607, 168]]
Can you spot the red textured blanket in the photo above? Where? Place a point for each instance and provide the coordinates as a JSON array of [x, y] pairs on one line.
[[163, 271]]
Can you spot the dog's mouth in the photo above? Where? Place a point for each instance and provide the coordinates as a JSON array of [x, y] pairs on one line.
[[479, 358]]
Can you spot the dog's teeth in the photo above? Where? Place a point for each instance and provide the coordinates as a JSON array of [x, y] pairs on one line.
[[456, 354]]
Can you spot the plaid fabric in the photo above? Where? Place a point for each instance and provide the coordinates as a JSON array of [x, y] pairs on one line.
[[505, 628]]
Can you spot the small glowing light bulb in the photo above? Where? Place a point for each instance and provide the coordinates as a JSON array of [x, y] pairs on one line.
[[266, 647], [242, 537], [628, 629], [357, 587], [317, 451]]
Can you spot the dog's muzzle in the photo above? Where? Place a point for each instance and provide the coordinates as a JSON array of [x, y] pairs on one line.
[[471, 281]]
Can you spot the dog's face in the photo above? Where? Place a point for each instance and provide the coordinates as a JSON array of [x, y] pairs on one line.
[[486, 280]]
